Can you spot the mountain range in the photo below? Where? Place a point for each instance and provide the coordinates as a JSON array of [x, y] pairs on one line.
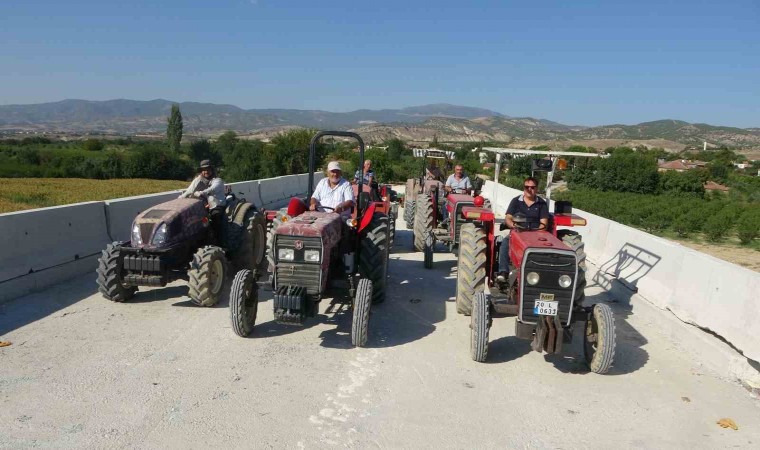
[[417, 123]]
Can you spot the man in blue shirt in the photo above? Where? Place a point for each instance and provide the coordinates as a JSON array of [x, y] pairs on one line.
[[536, 212], [367, 173]]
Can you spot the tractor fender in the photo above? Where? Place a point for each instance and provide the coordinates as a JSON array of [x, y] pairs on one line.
[[367, 217]]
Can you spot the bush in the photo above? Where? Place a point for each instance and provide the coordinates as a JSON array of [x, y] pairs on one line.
[[748, 226], [93, 145]]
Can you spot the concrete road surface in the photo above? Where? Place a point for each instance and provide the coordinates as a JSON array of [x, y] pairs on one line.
[[157, 372]]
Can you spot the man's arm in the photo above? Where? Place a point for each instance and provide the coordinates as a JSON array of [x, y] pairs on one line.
[[314, 200], [511, 210], [348, 199], [216, 183], [190, 189], [467, 185], [543, 216], [449, 181]]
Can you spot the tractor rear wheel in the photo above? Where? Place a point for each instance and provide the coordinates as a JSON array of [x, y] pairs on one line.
[[480, 322], [599, 339], [574, 240], [244, 303], [109, 275], [206, 275], [471, 271], [247, 240], [373, 257], [409, 213], [362, 305], [423, 221]]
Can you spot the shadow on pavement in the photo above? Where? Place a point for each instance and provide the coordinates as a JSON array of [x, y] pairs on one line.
[[506, 349], [33, 307]]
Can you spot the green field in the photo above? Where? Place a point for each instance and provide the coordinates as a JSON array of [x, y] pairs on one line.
[[18, 194]]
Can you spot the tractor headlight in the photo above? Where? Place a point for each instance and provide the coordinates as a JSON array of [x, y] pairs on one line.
[[311, 255], [532, 278], [136, 239], [286, 254], [160, 236], [565, 281]]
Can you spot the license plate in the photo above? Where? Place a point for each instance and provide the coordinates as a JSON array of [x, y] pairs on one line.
[[545, 307]]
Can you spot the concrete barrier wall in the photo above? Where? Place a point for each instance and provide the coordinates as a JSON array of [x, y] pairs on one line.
[[699, 289], [45, 246]]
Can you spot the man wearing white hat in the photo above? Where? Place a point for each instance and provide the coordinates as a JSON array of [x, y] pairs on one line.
[[333, 192]]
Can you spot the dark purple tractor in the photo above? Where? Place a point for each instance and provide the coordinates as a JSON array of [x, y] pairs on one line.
[[173, 240]]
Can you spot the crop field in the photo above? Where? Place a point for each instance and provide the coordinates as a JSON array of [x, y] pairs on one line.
[[17, 194]]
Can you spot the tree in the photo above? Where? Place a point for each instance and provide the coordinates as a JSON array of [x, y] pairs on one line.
[[174, 129], [289, 153], [93, 145], [243, 162], [434, 142], [396, 148]]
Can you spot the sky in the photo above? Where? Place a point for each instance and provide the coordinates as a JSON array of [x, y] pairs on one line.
[[575, 62]]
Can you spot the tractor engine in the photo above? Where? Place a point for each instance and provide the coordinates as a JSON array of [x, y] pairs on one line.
[[303, 250]]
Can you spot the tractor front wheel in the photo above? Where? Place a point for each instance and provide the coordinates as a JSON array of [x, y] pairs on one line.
[[423, 221], [109, 276], [471, 266], [599, 339], [244, 303], [207, 273], [480, 323], [362, 305]]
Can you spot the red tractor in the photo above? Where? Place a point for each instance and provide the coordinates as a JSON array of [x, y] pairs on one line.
[[544, 289], [313, 253], [437, 216]]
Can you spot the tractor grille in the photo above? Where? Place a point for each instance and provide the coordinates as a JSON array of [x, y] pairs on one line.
[[549, 266], [298, 272], [146, 231]]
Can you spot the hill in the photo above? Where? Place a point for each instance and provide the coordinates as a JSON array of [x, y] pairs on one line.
[[415, 123]]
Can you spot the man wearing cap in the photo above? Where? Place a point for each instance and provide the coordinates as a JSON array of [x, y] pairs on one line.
[[210, 187], [333, 192]]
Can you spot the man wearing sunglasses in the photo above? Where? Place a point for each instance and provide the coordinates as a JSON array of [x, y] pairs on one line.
[[536, 212]]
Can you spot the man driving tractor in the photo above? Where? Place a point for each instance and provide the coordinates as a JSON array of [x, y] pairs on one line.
[[333, 192], [536, 213], [458, 181], [211, 188]]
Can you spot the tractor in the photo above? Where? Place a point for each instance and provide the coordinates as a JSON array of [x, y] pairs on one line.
[[173, 240], [319, 253], [544, 288], [429, 171], [437, 216]]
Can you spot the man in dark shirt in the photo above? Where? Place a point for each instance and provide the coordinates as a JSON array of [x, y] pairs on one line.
[[535, 210]]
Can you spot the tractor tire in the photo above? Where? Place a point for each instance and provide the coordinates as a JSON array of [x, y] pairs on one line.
[[471, 272], [427, 253], [244, 303], [373, 257], [423, 221], [600, 339], [247, 243], [362, 305], [392, 232], [206, 275], [574, 240], [276, 222], [480, 323], [409, 214], [109, 276]]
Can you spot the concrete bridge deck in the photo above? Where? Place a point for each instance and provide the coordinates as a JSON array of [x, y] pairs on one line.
[[159, 373]]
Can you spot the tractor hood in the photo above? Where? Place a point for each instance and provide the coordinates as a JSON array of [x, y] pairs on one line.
[[314, 224], [183, 218]]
